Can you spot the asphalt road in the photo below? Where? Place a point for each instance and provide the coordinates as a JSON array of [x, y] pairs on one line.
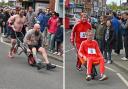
[[76, 80], [17, 74]]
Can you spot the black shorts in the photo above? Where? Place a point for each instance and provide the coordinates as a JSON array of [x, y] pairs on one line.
[[36, 46], [14, 34], [18, 34]]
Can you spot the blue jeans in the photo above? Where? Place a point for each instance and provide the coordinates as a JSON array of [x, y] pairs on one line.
[[107, 54], [51, 41], [8, 31]]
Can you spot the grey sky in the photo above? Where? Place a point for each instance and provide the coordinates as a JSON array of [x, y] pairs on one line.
[[4, 0], [116, 1]]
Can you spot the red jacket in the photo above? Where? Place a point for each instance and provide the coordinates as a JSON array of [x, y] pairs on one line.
[[52, 22], [90, 50], [78, 33]]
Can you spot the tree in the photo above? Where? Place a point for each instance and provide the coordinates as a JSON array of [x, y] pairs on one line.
[[6, 4], [114, 7]]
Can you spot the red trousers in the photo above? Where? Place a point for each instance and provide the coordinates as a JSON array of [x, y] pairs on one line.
[[91, 61], [78, 64]]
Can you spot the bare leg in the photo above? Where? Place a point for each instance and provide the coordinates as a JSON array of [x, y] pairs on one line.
[[13, 42], [44, 54], [35, 55]]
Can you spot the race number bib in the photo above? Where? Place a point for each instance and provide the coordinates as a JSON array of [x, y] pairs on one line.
[[91, 51], [83, 35]]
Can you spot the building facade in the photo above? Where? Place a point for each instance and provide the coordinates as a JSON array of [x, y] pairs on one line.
[[59, 7], [38, 3], [53, 5]]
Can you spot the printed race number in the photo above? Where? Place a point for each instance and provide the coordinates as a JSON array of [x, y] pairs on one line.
[[91, 51], [83, 35]]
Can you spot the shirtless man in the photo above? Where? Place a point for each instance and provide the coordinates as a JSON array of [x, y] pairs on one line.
[[16, 22]]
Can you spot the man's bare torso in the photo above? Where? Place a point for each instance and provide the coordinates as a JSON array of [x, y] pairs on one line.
[[18, 23]]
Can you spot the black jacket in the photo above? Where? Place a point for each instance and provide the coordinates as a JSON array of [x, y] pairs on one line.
[[59, 34], [110, 42]]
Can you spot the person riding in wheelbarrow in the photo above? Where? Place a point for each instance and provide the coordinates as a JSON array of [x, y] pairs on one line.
[[90, 55], [34, 41]]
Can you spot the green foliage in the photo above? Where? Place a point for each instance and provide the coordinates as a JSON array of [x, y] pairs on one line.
[[6, 4], [114, 7]]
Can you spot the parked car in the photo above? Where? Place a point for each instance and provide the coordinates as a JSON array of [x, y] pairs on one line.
[[73, 19]]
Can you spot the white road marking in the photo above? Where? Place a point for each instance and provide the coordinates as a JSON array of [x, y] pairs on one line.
[[5, 42], [69, 50], [111, 69], [119, 75], [123, 79], [10, 45], [58, 66]]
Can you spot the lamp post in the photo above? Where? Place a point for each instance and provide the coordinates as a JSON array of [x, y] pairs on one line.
[[102, 7], [93, 7], [120, 2]]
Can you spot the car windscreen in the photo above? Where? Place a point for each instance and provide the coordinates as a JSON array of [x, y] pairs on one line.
[[71, 16]]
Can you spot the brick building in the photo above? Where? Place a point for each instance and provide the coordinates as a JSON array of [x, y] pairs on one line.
[[54, 5]]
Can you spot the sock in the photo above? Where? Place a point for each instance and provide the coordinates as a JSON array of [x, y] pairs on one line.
[[36, 59]]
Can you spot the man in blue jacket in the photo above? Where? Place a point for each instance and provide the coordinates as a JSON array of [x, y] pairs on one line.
[[118, 36], [43, 21]]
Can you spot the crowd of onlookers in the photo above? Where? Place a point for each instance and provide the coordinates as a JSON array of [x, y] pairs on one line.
[[111, 32], [50, 22]]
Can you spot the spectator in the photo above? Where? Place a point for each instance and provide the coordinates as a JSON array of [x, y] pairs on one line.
[[30, 18], [2, 18], [7, 31], [125, 27], [99, 33], [118, 36], [52, 28], [59, 38], [42, 19], [108, 40]]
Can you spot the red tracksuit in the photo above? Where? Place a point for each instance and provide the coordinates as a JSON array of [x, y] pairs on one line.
[[91, 51], [78, 35]]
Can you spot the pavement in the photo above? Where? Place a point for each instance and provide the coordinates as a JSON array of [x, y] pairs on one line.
[[117, 77], [59, 58], [118, 62]]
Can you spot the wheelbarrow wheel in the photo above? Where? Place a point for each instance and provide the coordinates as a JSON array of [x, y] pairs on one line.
[[31, 60]]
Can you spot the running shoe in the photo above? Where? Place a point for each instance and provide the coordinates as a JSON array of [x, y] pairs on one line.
[[103, 77], [50, 66], [88, 78]]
